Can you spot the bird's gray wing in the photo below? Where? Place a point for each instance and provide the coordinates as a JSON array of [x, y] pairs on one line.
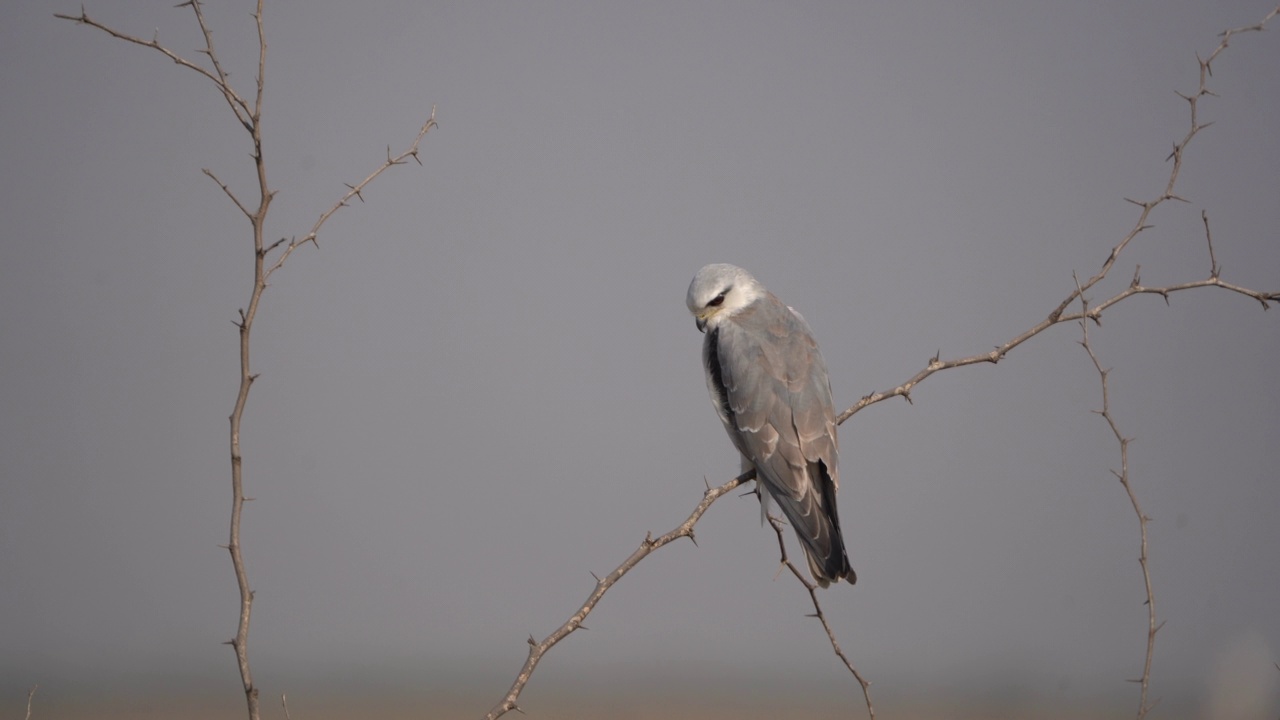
[[776, 405]]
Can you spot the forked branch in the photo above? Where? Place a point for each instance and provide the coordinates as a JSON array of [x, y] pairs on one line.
[[1058, 314], [250, 117], [1123, 476], [219, 78], [812, 589], [935, 364]]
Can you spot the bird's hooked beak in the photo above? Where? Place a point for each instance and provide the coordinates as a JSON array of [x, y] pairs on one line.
[[702, 318]]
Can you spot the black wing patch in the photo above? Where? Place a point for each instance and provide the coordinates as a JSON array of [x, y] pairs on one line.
[[716, 370]]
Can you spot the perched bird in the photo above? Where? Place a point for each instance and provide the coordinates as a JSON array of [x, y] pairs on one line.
[[769, 385]]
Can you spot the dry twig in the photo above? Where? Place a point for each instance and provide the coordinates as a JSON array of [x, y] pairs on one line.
[[648, 545], [1123, 476], [812, 588], [249, 115]]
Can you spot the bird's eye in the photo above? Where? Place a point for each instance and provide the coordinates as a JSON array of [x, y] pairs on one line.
[[718, 300]]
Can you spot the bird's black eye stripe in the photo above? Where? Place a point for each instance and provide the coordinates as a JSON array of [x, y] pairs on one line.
[[718, 300]]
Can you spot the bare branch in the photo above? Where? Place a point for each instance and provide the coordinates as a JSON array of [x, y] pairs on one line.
[[251, 119], [1214, 269], [821, 616], [238, 105], [647, 546], [31, 694], [1123, 476], [1056, 316], [227, 190], [354, 191]]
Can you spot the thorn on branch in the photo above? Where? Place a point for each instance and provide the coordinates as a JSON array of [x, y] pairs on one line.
[[1214, 270]]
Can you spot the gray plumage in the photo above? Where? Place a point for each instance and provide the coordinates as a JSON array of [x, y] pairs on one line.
[[769, 385]]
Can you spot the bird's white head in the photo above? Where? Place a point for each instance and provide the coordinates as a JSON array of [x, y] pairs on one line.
[[719, 291]]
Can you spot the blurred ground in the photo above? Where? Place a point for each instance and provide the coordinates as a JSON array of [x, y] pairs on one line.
[[684, 705]]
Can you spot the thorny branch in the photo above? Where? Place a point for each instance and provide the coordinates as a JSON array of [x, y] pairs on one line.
[[219, 78], [539, 648], [1057, 316], [812, 588], [250, 116], [1123, 477], [353, 191]]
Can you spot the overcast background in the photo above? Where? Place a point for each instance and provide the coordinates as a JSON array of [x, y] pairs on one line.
[[485, 384]]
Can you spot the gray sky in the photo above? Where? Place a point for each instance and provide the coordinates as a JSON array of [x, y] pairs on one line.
[[485, 384]]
